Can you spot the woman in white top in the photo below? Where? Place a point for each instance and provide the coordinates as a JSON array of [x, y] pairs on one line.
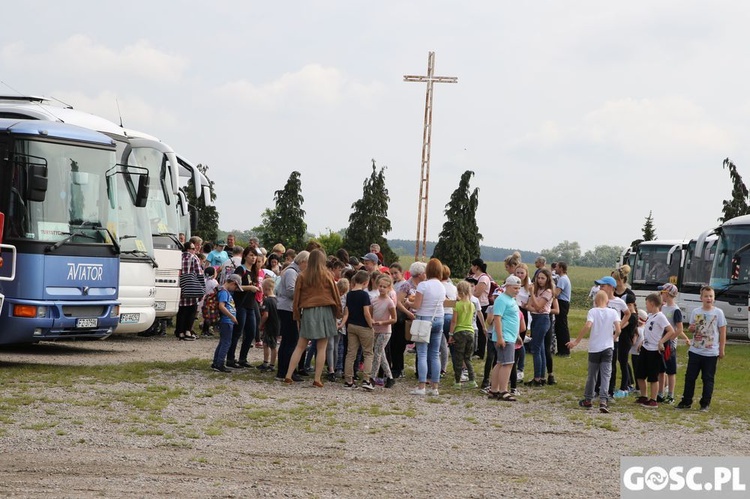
[[451, 293], [428, 303]]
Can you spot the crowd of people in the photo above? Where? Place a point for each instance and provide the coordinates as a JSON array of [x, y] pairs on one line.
[[354, 319]]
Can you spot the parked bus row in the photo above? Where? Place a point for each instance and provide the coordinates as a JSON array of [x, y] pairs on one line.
[[719, 257], [92, 217]]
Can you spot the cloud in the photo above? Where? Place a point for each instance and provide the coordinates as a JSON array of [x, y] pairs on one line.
[[79, 56], [313, 86]]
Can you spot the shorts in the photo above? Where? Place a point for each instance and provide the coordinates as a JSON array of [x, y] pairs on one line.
[[650, 365], [507, 354], [269, 339], [671, 363]]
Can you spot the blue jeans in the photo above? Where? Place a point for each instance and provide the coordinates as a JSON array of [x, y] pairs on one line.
[[429, 353], [225, 338], [539, 326]]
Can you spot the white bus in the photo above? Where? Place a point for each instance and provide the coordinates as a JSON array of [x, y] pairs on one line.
[[656, 262], [696, 273]]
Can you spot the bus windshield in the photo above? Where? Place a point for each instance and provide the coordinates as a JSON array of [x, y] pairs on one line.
[[161, 206], [731, 268], [133, 228], [651, 264], [77, 201]]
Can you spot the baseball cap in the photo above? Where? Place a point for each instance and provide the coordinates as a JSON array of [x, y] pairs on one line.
[[220, 242], [670, 288], [235, 278], [372, 257], [607, 280], [642, 315], [512, 280]]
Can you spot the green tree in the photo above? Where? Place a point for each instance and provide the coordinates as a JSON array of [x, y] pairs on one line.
[[458, 242], [738, 205], [649, 233], [285, 223], [601, 256], [369, 221], [566, 251], [331, 242], [207, 225]]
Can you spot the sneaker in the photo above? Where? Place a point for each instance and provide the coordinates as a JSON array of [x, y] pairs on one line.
[[378, 381], [515, 391], [464, 375], [418, 391], [234, 365], [651, 404], [586, 404], [704, 408], [331, 377], [620, 394], [457, 386], [519, 376], [262, 367], [669, 399], [442, 374], [551, 380], [660, 399], [471, 384], [297, 378], [435, 392], [603, 408], [244, 364], [349, 386], [303, 373], [367, 385], [389, 383], [220, 369], [485, 390], [641, 400], [683, 405]]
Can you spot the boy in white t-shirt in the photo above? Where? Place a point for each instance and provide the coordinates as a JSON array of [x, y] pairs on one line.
[[604, 324], [656, 332]]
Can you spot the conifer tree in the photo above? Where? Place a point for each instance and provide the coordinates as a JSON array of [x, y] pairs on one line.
[[369, 221], [285, 223], [207, 225], [458, 243], [738, 204], [649, 233]]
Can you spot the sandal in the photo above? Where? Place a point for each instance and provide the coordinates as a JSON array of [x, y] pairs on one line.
[[493, 395], [506, 396]]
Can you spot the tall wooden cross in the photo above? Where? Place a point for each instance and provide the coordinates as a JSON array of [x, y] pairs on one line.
[[424, 182]]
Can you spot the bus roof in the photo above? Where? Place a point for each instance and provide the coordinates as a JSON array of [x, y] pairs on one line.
[[52, 129], [741, 220], [664, 242]]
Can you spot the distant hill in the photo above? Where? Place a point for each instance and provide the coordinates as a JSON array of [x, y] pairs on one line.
[[488, 253]]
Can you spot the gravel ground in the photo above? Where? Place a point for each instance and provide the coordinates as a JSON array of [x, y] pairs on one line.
[[244, 435]]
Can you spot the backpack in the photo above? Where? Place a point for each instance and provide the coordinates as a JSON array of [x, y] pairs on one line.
[[493, 288], [226, 271]]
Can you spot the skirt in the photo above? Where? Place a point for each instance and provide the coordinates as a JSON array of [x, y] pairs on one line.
[[317, 323]]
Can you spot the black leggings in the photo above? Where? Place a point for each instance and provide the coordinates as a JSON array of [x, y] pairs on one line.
[[185, 318], [395, 349]]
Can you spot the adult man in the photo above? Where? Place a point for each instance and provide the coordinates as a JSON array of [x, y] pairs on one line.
[[563, 290], [254, 243], [230, 244], [539, 263], [375, 248]]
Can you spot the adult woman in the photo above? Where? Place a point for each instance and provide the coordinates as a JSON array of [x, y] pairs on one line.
[[540, 304], [405, 298], [246, 304], [316, 307], [428, 303], [288, 326], [481, 292], [188, 305], [625, 341]]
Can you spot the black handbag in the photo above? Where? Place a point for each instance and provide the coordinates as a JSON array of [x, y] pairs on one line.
[[192, 285]]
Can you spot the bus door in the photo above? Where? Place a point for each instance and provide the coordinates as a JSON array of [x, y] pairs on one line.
[[6, 273]]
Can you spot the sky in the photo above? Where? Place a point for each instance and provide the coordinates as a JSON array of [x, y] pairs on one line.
[[578, 118]]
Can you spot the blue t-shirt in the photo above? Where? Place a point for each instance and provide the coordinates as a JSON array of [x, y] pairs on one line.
[[225, 297], [507, 308], [563, 282], [706, 335], [216, 258]]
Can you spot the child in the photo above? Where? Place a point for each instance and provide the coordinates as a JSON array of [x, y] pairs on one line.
[[358, 320], [637, 340], [210, 305], [709, 328], [507, 325], [656, 333], [383, 315], [604, 324], [269, 325], [226, 322], [336, 358], [674, 316], [461, 336]]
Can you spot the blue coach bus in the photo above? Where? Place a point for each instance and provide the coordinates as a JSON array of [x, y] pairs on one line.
[[59, 198]]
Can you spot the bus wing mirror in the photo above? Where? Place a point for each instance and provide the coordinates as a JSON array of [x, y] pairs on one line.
[[37, 184], [141, 195], [193, 219]]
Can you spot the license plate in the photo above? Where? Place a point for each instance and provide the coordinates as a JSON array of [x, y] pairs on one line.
[[87, 323], [160, 305], [130, 318]]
